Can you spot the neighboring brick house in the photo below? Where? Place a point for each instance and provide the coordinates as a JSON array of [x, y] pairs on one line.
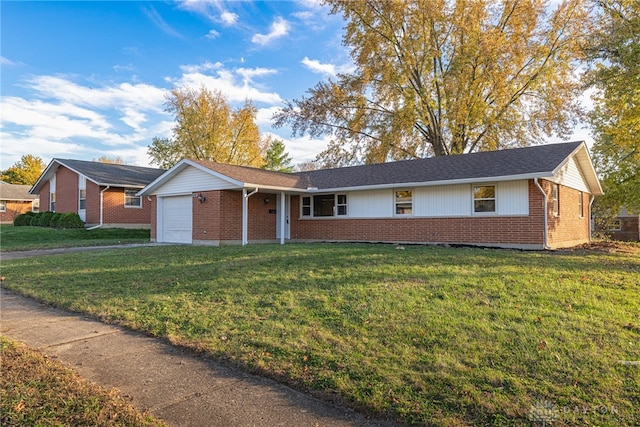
[[103, 194], [530, 198], [626, 226], [14, 200]]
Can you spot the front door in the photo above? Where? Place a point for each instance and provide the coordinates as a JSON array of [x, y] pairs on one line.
[[287, 230]]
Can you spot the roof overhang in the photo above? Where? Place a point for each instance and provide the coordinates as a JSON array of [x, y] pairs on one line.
[[582, 157]]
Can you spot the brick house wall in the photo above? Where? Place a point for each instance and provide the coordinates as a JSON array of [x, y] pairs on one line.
[[13, 209], [219, 218], [570, 227], [66, 190], [493, 230], [114, 211]]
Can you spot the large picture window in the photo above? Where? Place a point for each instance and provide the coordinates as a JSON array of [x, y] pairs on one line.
[[131, 200], [324, 205], [484, 198], [404, 202]]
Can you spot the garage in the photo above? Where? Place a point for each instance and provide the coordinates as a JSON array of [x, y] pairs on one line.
[[176, 219]]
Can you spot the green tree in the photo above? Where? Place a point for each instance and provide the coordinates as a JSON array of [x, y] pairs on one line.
[[276, 158], [207, 128], [615, 119], [24, 172], [438, 77]]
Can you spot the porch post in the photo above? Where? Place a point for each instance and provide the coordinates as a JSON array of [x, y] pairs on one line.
[[283, 218], [245, 218]]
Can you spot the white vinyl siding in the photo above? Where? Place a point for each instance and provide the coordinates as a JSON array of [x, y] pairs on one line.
[[442, 200], [371, 204], [192, 180], [571, 176], [512, 198]]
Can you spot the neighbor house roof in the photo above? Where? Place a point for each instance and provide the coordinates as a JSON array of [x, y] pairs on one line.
[[102, 174], [542, 161], [15, 192]]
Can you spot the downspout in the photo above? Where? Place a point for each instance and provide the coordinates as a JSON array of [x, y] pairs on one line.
[[101, 208], [592, 198], [245, 215], [546, 208]]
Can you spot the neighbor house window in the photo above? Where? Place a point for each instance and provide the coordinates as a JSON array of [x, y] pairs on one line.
[[615, 225], [555, 199], [306, 206], [131, 200], [82, 199], [484, 198], [324, 205], [404, 202], [3, 205], [580, 205], [52, 202]]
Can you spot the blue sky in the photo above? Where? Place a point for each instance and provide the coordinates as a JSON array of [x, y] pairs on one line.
[[85, 79]]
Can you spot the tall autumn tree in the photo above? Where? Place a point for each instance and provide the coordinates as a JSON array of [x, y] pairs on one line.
[[24, 172], [207, 128], [615, 119], [439, 77]]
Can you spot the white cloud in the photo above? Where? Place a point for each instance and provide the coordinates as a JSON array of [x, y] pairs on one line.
[[228, 18], [279, 28], [159, 22], [327, 69], [237, 85], [212, 34], [7, 62]]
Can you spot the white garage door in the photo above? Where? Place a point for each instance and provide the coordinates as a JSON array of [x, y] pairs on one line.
[[176, 219]]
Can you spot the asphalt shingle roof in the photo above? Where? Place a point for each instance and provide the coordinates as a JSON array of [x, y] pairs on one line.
[[15, 192], [511, 162], [113, 174]]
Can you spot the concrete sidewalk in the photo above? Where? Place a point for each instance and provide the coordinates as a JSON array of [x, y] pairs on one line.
[[174, 385]]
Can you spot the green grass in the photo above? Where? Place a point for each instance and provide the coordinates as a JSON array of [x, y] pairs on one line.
[[30, 238], [426, 335], [37, 391]]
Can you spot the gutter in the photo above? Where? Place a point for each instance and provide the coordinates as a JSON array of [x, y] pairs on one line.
[[546, 220], [101, 208]]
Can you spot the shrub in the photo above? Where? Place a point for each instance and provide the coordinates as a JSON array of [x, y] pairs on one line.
[[55, 219], [45, 220], [23, 219], [70, 220], [35, 219]]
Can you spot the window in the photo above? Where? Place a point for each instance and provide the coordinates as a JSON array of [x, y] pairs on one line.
[[404, 202], [52, 202], [306, 206], [3, 205], [342, 204], [131, 200], [555, 199], [484, 198], [615, 225], [82, 199], [324, 205], [580, 205], [35, 205]]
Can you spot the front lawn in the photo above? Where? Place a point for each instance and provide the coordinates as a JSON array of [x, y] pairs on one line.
[[425, 335], [30, 238]]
